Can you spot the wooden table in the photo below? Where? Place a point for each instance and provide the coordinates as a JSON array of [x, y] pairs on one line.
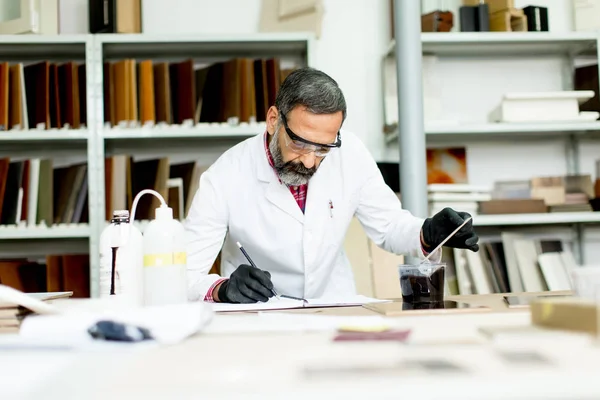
[[241, 363]]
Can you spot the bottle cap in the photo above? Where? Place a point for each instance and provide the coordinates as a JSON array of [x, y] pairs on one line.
[[120, 216], [164, 213]]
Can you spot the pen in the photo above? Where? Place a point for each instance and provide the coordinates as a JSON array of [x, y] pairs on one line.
[[252, 263]]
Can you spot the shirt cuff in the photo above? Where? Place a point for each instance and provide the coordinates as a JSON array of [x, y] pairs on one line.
[[209, 297]]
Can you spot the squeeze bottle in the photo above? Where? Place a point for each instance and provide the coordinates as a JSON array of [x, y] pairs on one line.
[[165, 263], [121, 270]]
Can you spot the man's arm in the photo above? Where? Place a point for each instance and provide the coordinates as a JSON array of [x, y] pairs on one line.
[[206, 227], [385, 221]]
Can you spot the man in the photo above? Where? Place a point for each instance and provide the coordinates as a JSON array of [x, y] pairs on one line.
[[288, 195]]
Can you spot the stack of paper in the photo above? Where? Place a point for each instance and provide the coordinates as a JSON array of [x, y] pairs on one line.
[[463, 197], [15, 306]]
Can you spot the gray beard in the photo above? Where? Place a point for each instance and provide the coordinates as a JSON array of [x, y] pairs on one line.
[[290, 173]]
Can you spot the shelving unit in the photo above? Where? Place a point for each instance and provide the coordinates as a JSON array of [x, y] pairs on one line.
[[53, 143], [512, 45], [98, 140]]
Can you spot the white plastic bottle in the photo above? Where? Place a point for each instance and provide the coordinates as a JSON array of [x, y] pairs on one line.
[[165, 260], [121, 246]]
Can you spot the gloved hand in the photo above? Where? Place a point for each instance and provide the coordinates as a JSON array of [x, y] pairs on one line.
[[437, 228], [246, 285]]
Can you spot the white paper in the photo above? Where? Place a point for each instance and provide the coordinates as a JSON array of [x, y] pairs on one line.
[[168, 324], [9, 297], [283, 303]]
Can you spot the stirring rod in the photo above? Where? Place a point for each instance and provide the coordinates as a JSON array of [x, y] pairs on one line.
[[445, 240]]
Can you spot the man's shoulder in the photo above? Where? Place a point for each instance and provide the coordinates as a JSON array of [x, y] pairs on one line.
[[352, 145], [236, 158]]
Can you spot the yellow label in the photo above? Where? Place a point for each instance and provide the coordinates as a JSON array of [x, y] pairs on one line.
[[165, 259], [547, 311], [374, 328]]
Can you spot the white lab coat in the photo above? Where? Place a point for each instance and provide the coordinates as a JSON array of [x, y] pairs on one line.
[[240, 199]]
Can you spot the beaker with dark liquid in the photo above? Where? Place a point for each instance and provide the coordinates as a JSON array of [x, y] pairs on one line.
[[422, 283]]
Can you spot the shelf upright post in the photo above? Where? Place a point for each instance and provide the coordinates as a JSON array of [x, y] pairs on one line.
[[411, 135], [95, 157]]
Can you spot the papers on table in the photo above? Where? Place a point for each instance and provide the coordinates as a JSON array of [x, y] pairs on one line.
[[282, 322], [282, 304]]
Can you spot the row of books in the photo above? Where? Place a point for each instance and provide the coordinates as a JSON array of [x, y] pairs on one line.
[[516, 263], [42, 95], [38, 192], [125, 177], [183, 93], [56, 273]]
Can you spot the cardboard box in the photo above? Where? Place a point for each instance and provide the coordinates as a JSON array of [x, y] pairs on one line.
[[570, 314], [510, 20]]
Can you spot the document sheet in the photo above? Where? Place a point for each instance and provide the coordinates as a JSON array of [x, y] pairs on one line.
[[283, 303]]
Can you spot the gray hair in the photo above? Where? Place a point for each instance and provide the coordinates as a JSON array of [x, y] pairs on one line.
[[313, 89]]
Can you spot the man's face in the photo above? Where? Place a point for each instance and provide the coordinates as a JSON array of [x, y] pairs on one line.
[[296, 168]]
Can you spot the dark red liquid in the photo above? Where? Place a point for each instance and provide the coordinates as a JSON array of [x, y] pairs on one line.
[[423, 289]]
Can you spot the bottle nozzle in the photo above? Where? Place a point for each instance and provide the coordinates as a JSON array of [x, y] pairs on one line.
[[163, 212], [163, 203]]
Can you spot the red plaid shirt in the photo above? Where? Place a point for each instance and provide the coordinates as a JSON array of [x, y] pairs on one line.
[[299, 193]]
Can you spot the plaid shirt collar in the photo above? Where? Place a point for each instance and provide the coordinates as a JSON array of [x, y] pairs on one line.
[[299, 192]]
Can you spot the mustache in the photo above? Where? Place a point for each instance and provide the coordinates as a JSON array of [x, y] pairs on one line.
[[298, 168]]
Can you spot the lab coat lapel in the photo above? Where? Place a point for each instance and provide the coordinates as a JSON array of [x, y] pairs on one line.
[[318, 197], [276, 193], [280, 195]]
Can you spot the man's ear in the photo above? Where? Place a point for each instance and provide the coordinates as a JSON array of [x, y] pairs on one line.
[[272, 117]]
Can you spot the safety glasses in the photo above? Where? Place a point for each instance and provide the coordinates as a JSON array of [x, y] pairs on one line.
[[302, 146]]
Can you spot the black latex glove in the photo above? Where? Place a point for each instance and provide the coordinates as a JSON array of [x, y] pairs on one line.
[[246, 285], [442, 224]]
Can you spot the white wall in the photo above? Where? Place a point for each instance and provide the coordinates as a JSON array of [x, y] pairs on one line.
[[354, 38]]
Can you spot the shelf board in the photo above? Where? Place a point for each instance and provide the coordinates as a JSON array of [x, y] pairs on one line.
[[498, 44], [536, 219], [40, 143], [61, 231], [214, 46], [36, 47], [200, 131], [503, 130], [40, 135], [206, 141]]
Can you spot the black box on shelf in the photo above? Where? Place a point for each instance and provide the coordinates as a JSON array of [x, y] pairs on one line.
[[474, 18], [537, 18]]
